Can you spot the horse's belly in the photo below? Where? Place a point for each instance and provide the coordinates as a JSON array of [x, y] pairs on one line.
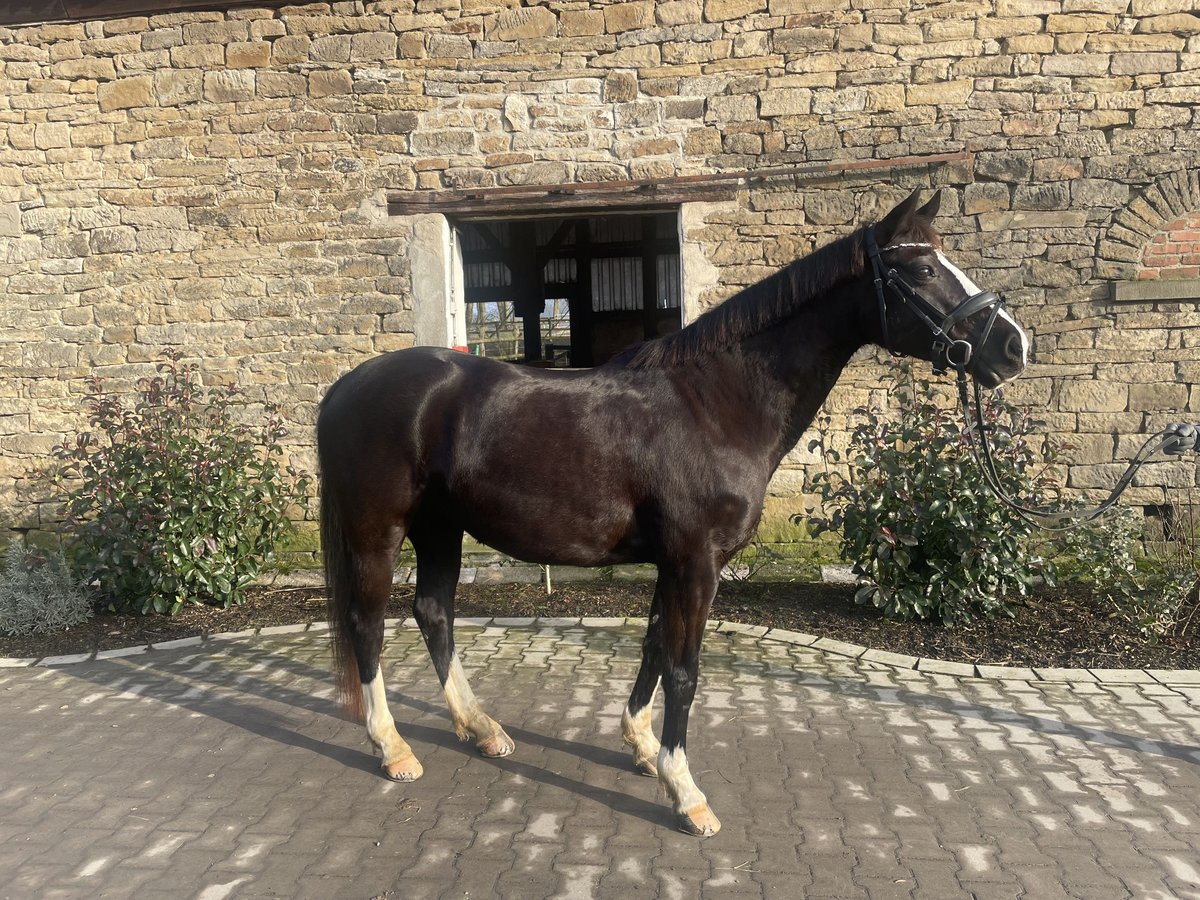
[[544, 529]]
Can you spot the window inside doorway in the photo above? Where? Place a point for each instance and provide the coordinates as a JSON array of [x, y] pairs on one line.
[[569, 291]]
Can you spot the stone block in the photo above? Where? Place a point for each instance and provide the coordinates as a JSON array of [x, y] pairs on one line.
[[1144, 63], [679, 12], [173, 87], [292, 48], [247, 54], [985, 196], [620, 17], [1093, 396], [374, 46], [581, 23], [434, 143], [50, 135], [281, 84], [724, 10], [786, 102], [329, 82], [126, 93], [642, 56], [942, 93], [118, 239], [1176, 23], [449, 46], [330, 48], [620, 87], [1165, 396], [229, 85], [97, 68], [524, 22]]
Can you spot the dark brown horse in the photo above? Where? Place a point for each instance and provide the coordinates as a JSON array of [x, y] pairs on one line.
[[662, 455]]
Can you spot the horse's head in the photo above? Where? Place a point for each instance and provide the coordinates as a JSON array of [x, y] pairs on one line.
[[928, 308]]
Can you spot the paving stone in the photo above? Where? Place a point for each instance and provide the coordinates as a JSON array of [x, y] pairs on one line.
[[1064, 675], [791, 637], [228, 768], [65, 660], [121, 652], [899, 660], [1175, 676], [942, 667], [282, 629], [1123, 676], [841, 648], [1009, 673], [233, 635], [178, 643]]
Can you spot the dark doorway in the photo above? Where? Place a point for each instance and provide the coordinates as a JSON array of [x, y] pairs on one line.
[[569, 291]]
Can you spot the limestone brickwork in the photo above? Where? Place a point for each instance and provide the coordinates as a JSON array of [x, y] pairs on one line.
[[216, 181]]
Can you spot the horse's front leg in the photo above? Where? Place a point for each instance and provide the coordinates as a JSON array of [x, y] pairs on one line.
[[635, 721], [687, 594], [439, 560]]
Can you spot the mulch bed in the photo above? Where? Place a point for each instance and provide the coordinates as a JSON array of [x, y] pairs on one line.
[[1058, 627]]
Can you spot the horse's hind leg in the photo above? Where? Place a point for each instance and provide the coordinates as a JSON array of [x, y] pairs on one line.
[[439, 559], [366, 635], [635, 721]]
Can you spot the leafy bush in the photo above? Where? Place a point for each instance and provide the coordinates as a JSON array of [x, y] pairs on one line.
[[175, 500], [38, 594], [1150, 590], [925, 535]]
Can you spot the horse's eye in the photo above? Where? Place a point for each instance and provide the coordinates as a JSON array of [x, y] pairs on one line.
[[926, 273]]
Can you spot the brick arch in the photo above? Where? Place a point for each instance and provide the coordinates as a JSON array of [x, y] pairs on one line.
[[1135, 244], [1174, 252]]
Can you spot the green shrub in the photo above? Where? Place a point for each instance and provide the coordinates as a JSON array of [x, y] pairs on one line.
[[925, 535], [38, 594], [175, 500], [1149, 590]]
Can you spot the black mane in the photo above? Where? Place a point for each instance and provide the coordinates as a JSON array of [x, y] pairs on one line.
[[754, 308], [760, 306]]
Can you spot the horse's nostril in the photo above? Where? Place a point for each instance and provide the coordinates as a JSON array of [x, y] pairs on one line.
[[1014, 348]]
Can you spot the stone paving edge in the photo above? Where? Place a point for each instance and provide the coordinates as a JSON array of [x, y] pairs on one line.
[[758, 632]]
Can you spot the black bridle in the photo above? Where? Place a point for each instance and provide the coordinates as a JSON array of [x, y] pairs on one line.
[[951, 353], [948, 352]]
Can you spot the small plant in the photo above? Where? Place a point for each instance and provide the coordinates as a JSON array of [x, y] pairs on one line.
[[1154, 591], [752, 562], [175, 500], [925, 535], [38, 594]]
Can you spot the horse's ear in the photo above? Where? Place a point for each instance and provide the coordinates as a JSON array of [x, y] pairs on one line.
[[898, 221], [930, 210]]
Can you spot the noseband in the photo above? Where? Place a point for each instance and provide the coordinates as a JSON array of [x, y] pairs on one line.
[[948, 352]]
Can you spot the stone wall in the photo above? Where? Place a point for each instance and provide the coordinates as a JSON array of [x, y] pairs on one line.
[[217, 181]]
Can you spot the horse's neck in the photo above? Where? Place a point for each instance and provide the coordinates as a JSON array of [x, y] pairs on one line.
[[791, 370]]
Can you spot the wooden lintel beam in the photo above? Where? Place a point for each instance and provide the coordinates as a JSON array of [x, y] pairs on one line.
[[600, 196]]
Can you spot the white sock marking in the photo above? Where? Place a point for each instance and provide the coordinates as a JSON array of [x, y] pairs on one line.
[[676, 777]]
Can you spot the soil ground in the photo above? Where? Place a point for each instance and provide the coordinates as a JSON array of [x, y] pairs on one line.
[[1058, 627]]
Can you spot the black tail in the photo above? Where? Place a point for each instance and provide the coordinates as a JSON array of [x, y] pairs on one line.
[[339, 589]]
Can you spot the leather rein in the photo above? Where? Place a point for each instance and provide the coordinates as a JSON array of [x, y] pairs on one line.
[[950, 353]]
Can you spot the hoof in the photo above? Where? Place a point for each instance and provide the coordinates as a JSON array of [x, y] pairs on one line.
[[407, 768], [699, 820], [499, 744]]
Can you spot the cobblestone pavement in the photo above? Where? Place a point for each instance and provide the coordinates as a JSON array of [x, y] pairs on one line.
[[226, 770]]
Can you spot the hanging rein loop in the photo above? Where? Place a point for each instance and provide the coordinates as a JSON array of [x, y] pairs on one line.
[[1176, 439], [948, 353]]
